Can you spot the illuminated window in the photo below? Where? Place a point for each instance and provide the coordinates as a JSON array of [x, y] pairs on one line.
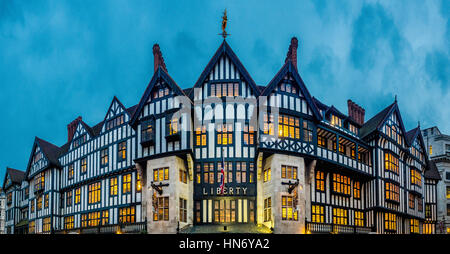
[[138, 182], [322, 141], [342, 148], [200, 136], [69, 198], [252, 172], [183, 175], [46, 225], [104, 157], [77, 196], [160, 92], [241, 172], [69, 222], [91, 219], [32, 227], [340, 216], [208, 173], [288, 172], [288, 211], [126, 183], [268, 209], [71, 171], [414, 226], [105, 217], [122, 151], [94, 193], [317, 213], [288, 88], [162, 210], [341, 184], [428, 228], [39, 203], [225, 134], [46, 197], [353, 152], [353, 128], [289, 127], [320, 181], [390, 162], [336, 121], [83, 166], [198, 174], [267, 174], [183, 210], [225, 90], [357, 190], [113, 186], [416, 177], [127, 215], [160, 174], [392, 192], [431, 149], [172, 126], [268, 125], [307, 131], [32, 206], [359, 219], [249, 135], [448, 192]]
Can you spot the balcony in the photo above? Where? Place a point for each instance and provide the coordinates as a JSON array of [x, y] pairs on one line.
[[134, 228], [343, 160], [324, 228]]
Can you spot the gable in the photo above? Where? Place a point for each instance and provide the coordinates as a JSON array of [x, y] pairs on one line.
[[160, 80], [393, 127], [289, 75], [38, 160], [116, 115], [225, 66], [80, 136]]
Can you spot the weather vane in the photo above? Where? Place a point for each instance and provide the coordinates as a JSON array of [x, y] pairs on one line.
[[224, 24]]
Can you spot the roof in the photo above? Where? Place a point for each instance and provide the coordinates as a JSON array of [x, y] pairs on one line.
[[374, 122], [51, 151], [411, 135], [432, 172], [225, 49], [160, 73], [17, 176]]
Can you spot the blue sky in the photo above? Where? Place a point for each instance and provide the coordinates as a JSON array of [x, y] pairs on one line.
[[61, 59]]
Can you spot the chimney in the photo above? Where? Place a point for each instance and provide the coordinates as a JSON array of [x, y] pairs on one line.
[[158, 59], [292, 53], [356, 112], [72, 127]]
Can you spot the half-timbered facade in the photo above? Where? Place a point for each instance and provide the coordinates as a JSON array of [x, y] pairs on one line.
[[230, 155]]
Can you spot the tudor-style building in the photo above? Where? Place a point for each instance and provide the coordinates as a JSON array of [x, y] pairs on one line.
[[291, 163]]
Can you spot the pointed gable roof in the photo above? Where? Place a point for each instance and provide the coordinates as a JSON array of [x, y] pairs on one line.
[[16, 176], [160, 73], [378, 120], [432, 171], [130, 111], [225, 49], [50, 151], [288, 67], [411, 135]]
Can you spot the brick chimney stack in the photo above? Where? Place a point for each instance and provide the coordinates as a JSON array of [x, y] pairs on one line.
[[292, 53], [72, 127], [158, 58], [356, 112]]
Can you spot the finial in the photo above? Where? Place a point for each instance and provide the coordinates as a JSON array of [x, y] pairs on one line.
[[418, 124], [395, 98], [224, 24]]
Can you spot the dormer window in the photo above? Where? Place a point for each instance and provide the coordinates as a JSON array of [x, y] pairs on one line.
[[117, 121], [352, 128], [336, 121]]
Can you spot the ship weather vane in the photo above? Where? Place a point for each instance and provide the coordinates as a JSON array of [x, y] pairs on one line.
[[224, 24]]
